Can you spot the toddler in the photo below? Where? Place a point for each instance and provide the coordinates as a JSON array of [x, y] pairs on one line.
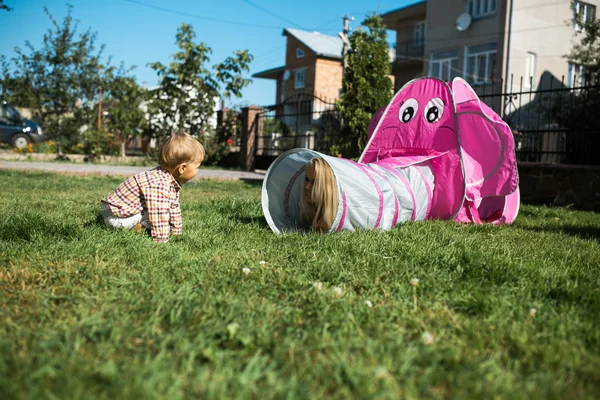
[[150, 199]]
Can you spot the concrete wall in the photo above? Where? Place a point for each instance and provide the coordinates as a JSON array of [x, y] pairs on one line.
[[406, 73], [560, 185], [442, 34], [543, 28]]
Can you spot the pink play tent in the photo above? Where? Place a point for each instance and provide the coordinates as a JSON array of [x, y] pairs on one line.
[[470, 148], [435, 152]]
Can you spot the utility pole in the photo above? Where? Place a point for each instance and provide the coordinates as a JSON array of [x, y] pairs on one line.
[[99, 117], [345, 47], [345, 41]]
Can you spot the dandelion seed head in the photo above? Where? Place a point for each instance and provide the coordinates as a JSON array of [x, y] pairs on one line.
[[368, 303], [381, 372], [245, 270], [262, 262], [532, 312], [414, 282], [427, 338], [318, 285], [338, 291]]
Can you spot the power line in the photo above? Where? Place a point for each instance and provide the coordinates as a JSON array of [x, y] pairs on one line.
[[327, 24], [325, 27], [271, 51], [201, 16], [273, 14], [267, 60]]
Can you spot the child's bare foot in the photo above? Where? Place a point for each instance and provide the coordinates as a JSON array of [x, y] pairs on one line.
[[138, 228]]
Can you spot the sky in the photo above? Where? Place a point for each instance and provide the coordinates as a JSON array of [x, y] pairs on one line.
[[138, 32]]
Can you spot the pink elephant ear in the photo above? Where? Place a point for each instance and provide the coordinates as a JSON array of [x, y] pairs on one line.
[[462, 91], [487, 146]]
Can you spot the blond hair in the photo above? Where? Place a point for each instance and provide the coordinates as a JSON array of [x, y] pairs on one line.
[[180, 148], [320, 209]]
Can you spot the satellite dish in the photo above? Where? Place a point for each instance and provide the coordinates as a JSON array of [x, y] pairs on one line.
[[463, 22], [286, 75]]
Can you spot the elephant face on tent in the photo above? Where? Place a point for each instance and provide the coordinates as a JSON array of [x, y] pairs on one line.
[[419, 120], [420, 124], [471, 148]]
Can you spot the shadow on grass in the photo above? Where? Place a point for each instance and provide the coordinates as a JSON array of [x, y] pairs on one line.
[[98, 222], [261, 221], [582, 232], [30, 226], [253, 182]]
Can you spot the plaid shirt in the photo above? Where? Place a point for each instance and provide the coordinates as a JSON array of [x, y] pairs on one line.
[[155, 192]]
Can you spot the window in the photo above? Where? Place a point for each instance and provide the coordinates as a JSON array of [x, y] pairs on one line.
[[583, 13], [481, 8], [299, 52], [8, 113], [529, 70], [576, 76], [480, 63], [299, 79], [419, 34], [444, 65]]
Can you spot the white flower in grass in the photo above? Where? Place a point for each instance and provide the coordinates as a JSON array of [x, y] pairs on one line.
[[262, 262], [245, 270], [381, 372], [338, 291], [427, 338], [368, 303], [532, 312], [414, 282], [318, 285]]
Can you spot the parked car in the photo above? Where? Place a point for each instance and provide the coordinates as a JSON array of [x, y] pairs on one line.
[[16, 130]]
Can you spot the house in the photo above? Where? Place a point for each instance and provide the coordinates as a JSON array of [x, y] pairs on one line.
[[488, 41], [306, 89], [498, 46], [313, 67]]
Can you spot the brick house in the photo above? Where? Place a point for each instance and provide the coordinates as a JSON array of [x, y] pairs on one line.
[[486, 41], [313, 66]]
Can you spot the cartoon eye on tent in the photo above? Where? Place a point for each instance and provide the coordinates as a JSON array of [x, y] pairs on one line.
[[435, 152]]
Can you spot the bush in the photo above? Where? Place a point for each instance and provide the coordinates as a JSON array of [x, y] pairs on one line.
[[215, 149]]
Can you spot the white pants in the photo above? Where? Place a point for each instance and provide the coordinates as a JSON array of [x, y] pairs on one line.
[[112, 221]]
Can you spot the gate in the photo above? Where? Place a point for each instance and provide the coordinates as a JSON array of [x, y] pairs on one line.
[[302, 120]]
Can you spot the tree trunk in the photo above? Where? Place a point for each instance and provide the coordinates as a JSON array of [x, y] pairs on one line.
[[123, 145], [58, 149]]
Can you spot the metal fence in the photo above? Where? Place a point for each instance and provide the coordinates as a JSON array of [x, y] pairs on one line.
[[551, 120], [300, 121]]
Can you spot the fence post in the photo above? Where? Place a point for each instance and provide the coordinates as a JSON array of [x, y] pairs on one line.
[[252, 124]]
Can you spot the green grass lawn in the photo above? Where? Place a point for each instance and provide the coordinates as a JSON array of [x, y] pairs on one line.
[[507, 312]]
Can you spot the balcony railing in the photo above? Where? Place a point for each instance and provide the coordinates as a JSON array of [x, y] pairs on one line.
[[409, 52]]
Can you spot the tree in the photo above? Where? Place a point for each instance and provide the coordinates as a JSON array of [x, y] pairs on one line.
[[188, 91], [56, 79], [577, 111], [4, 6], [366, 85], [124, 98], [586, 53]]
